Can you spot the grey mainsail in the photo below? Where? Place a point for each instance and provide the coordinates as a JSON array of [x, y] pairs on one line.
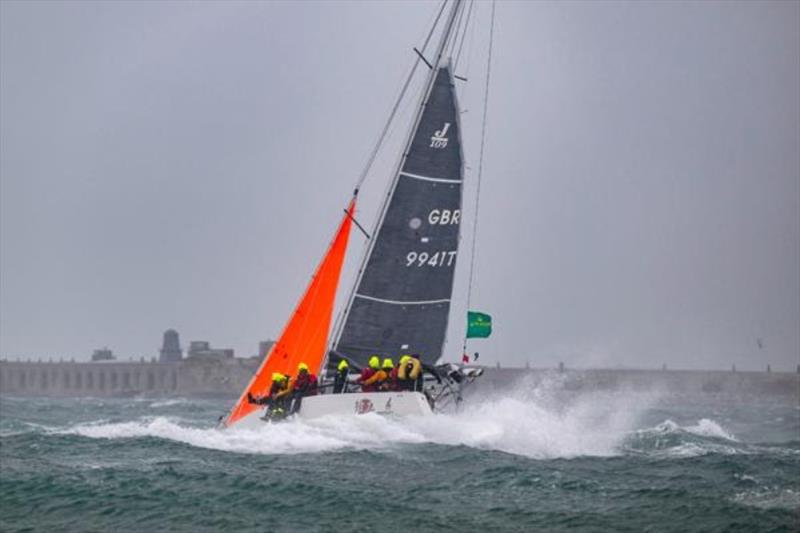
[[401, 302]]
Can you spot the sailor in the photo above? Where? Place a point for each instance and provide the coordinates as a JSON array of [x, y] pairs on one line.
[[376, 381], [340, 378], [390, 382], [304, 385], [267, 399], [368, 373], [275, 400], [404, 369]]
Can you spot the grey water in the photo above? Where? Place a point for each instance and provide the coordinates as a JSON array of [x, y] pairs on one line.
[[530, 458]]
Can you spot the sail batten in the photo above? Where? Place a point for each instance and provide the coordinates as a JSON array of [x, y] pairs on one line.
[[428, 178], [404, 302]]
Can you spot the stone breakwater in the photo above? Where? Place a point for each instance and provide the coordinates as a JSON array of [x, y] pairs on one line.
[[220, 377], [228, 377]]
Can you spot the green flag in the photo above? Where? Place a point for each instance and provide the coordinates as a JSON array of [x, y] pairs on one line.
[[478, 325]]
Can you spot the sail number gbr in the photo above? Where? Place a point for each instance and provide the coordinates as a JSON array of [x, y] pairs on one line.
[[435, 259]]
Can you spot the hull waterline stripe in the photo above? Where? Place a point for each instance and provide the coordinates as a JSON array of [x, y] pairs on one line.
[[398, 302], [426, 178]]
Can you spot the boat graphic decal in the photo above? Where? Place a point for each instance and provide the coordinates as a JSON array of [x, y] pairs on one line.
[[439, 140], [364, 406]]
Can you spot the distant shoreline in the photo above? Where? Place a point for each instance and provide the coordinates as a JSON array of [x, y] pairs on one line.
[[223, 378]]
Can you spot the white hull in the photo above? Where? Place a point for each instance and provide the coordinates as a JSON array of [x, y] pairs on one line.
[[353, 403]]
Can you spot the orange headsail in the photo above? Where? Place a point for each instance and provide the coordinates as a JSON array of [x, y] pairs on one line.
[[305, 336]]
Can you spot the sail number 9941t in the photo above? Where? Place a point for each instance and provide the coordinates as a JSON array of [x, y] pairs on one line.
[[420, 259]]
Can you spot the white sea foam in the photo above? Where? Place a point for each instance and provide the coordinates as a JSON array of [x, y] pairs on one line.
[[170, 403], [709, 428], [280, 438], [594, 425], [694, 449], [711, 434], [703, 428]]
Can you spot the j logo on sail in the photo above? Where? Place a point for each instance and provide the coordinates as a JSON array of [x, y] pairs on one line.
[[439, 140]]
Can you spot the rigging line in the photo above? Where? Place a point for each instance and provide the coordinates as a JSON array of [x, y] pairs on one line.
[[463, 35], [351, 217], [452, 44], [425, 95], [470, 46], [342, 316], [480, 166], [390, 119], [471, 43]]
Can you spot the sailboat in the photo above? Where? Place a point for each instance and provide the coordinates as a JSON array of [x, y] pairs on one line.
[[400, 302]]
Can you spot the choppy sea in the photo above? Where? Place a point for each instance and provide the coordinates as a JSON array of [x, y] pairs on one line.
[[531, 459]]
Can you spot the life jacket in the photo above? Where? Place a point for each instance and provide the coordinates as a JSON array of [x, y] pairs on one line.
[[415, 368], [408, 374], [410, 370], [374, 382], [284, 388], [275, 388]]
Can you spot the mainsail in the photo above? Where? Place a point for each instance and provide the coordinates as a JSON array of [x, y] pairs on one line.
[[305, 336], [401, 301]]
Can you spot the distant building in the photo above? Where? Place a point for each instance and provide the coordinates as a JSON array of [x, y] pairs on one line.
[[263, 349], [171, 347], [203, 350], [103, 354]]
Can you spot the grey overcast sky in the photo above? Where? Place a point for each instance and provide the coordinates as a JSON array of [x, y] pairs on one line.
[[183, 165]]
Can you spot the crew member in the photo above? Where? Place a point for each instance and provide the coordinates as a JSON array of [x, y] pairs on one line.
[[390, 383], [304, 385], [375, 383], [404, 368], [275, 400], [340, 378], [368, 373]]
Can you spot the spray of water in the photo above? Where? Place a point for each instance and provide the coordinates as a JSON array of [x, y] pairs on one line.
[[530, 419]]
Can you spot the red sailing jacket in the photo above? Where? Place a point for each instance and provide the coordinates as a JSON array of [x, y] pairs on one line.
[[391, 382], [306, 383], [365, 375]]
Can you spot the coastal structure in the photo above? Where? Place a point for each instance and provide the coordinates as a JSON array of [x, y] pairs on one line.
[[198, 377], [203, 350], [103, 354], [171, 347], [206, 371], [228, 376], [216, 372]]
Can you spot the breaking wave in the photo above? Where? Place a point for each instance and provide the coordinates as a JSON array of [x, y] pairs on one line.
[[670, 439]]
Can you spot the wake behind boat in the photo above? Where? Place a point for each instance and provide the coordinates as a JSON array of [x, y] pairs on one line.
[[400, 302]]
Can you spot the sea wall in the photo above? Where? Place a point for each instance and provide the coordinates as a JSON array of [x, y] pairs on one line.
[[214, 377], [229, 376]]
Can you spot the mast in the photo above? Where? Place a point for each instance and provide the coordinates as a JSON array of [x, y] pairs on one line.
[[424, 98]]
